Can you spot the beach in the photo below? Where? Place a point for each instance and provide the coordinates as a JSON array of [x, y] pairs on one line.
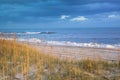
[[78, 53]]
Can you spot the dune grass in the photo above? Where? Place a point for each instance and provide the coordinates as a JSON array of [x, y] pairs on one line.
[[20, 61]]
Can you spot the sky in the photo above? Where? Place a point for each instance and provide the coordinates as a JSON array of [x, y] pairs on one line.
[[59, 13]]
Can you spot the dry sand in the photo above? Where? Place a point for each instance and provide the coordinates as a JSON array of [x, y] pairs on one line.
[[78, 53]]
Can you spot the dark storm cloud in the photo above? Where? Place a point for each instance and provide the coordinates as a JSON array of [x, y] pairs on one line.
[[43, 10], [81, 2], [26, 1], [70, 2]]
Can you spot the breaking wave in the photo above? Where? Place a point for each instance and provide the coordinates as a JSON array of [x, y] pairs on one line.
[[27, 32], [67, 43]]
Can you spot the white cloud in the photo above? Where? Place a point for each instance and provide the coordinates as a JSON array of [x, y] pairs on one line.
[[64, 16], [79, 18], [112, 16]]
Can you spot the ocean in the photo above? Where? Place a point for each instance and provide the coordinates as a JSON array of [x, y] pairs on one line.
[[80, 37]]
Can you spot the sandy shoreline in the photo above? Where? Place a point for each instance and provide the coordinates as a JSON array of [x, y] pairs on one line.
[[78, 53]]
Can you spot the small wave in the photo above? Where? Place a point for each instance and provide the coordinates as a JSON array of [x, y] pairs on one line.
[[39, 32], [27, 32], [32, 32], [47, 32]]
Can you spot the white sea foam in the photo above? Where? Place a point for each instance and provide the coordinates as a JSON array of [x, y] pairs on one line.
[[91, 44], [32, 32], [66, 43]]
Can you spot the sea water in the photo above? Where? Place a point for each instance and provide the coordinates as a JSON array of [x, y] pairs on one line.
[[81, 37]]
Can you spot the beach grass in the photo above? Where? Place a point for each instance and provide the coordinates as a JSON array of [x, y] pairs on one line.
[[20, 61]]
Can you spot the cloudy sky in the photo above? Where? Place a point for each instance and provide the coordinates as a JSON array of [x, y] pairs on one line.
[[59, 13]]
